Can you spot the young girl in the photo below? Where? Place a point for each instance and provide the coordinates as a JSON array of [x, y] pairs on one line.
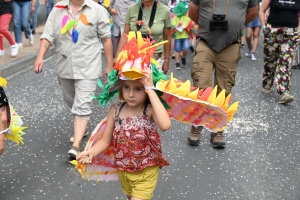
[[132, 125]]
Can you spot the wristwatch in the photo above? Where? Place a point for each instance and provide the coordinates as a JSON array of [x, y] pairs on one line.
[[263, 27]]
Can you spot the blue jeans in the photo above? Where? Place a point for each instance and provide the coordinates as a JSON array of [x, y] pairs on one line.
[[50, 5], [182, 44], [33, 23], [21, 18]]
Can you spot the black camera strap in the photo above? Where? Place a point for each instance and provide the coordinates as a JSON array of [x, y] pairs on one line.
[[226, 8], [153, 12]]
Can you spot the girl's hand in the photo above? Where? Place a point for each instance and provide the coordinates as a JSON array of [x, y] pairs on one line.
[[147, 79], [85, 157]]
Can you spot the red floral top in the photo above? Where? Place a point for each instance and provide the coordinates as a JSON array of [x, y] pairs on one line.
[[137, 143]]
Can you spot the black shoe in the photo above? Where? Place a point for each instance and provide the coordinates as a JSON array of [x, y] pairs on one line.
[[183, 62], [177, 66], [33, 32], [173, 57], [192, 48]]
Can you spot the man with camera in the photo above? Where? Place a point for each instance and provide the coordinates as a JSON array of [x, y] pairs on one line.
[[221, 25]]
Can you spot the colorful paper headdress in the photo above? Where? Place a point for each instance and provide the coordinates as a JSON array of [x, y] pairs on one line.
[[14, 132], [135, 56], [181, 8]]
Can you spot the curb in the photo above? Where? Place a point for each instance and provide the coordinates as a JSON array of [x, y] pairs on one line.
[[23, 63]]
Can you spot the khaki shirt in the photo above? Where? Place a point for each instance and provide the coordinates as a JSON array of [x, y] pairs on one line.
[[81, 60]]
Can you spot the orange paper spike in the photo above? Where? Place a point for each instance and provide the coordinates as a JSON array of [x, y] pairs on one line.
[[206, 94]]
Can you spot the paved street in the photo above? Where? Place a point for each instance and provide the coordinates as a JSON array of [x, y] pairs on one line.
[[261, 160]]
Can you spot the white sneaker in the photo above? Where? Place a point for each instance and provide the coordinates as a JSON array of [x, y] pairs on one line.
[[2, 53], [253, 57], [20, 45], [266, 91], [248, 51], [286, 98], [14, 50], [31, 39]]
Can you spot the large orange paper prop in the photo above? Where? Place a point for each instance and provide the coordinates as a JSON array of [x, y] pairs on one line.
[[197, 107]]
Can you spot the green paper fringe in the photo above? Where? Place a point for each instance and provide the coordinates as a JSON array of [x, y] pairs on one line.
[[106, 94], [181, 8]]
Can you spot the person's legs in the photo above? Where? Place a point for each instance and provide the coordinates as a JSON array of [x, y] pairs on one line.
[[271, 49], [115, 38], [256, 34], [225, 72], [50, 5], [34, 16], [185, 48], [4, 23], [17, 21], [82, 108], [294, 63], [283, 70], [177, 50], [226, 68], [249, 33], [202, 69], [25, 14]]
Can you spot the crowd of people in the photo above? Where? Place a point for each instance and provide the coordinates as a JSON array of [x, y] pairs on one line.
[[74, 28], [24, 15]]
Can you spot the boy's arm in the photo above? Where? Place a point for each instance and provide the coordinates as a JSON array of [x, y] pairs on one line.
[[101, 145]]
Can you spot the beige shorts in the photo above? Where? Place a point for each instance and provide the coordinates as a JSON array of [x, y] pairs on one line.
[[78, 94], [223, 64]]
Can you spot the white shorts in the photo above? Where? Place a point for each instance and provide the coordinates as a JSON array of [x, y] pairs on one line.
[[78, 94]]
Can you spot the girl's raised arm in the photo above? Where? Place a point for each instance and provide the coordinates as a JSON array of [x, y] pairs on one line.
[[159, 113], [101, 145]]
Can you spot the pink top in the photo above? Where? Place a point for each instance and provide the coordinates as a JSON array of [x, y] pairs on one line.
[[137, 143]]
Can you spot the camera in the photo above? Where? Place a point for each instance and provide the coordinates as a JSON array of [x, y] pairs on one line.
[[218, 22], [145, 36]]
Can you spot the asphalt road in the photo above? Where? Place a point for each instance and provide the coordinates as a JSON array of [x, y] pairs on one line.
[[261, 160]]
